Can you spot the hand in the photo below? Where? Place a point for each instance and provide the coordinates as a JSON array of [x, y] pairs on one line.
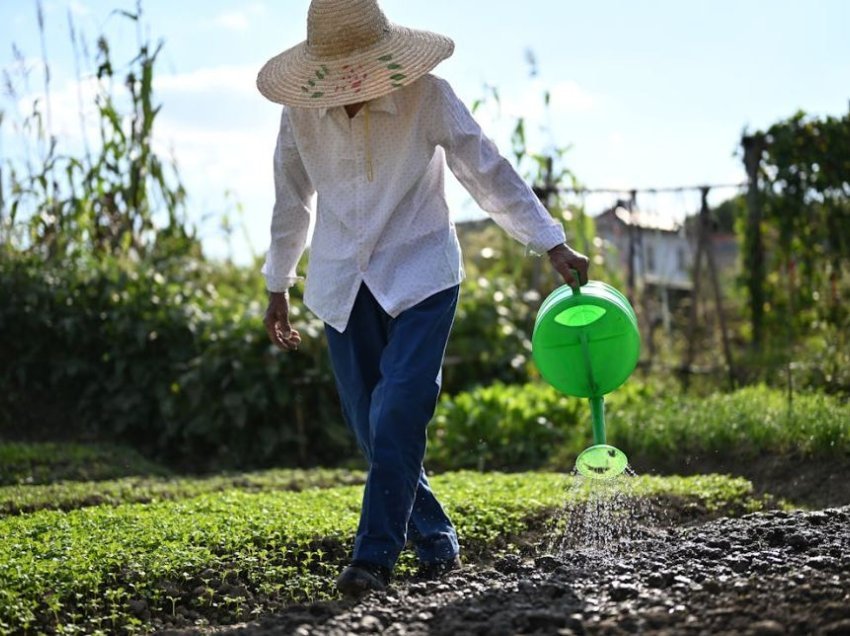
[[565, 259], [277, 324]]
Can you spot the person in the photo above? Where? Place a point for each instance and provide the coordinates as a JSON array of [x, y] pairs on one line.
[[368, 129]]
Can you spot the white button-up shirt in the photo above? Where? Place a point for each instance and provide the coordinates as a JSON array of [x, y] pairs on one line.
[[382, 217]]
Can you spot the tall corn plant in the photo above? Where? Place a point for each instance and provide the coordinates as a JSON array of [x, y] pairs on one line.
[[116, 197]]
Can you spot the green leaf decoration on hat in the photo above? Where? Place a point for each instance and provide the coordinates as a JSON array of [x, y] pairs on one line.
[[397, 78], [310, 86]]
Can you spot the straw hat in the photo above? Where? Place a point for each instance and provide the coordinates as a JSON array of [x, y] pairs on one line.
[[352, 54]]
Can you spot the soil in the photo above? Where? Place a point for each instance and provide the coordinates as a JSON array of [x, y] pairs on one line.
[[805, 481], [761, 574]]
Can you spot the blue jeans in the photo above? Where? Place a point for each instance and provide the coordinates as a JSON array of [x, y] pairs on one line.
[[388, 376]]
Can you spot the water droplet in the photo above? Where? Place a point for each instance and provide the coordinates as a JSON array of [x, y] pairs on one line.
[[603, 519]]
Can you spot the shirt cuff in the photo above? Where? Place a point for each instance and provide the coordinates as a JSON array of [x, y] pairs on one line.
[[547, 239], [278, 284], [279, 287]]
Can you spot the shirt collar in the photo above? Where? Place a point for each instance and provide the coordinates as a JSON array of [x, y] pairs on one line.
[[384, 104]]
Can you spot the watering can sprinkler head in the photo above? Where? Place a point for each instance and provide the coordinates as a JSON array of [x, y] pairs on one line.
[[601, 461]]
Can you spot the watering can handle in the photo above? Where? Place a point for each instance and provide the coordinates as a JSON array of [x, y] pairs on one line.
[[577, 287]]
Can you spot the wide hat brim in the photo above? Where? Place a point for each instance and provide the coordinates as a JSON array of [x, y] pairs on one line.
[[297, 78]]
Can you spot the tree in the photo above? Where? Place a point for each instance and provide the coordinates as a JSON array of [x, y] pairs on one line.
[[802, 209]]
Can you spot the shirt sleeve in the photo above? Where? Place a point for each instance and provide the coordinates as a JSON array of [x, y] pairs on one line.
[[489, 178], [291, 213]]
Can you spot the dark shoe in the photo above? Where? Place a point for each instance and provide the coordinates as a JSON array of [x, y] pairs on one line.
[[361, 577], [437, 569]]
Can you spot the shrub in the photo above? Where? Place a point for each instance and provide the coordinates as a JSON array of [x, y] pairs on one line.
[[742, 424], [169, 357], [511, 427], [504, 427], [491, 336]]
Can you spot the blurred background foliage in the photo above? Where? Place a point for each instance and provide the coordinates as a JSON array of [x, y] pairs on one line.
[[116, 328]]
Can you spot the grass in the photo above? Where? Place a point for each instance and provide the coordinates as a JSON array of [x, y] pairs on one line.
[[224, 556]]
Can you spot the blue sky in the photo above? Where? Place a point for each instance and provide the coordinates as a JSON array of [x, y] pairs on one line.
[[649, 94]]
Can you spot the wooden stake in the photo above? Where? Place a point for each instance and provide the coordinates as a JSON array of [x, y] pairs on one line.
[[715, 283]]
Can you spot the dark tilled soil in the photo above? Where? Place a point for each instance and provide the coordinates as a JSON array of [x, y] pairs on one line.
[[768, 573], [814, 482]]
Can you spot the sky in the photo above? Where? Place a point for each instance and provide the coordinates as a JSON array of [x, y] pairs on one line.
[[647, 94]]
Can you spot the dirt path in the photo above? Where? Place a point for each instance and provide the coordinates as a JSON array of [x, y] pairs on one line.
[[765, 574]]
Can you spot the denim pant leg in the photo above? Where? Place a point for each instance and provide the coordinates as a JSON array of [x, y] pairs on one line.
[[430, 529], [356, 361], [388, 405]]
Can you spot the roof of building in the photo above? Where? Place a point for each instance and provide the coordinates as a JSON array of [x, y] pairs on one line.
[[642, 219]]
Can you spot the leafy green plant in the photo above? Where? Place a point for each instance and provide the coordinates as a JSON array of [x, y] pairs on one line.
[[43, 463], [526, 426], [503, 427], [743, 424], [491, 336], [171, 358], [71, 495], [230, 555]]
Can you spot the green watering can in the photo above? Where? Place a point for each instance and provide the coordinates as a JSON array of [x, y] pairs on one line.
[[586, 343]]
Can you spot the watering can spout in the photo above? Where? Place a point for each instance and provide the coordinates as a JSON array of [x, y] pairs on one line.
[[597, 412]]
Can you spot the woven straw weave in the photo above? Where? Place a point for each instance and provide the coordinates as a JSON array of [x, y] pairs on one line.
[[352, 54]]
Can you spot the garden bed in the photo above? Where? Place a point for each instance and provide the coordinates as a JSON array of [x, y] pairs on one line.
[[763, 574], [224, 557]]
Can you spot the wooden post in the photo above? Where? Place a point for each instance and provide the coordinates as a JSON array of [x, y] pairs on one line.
[[631, 275], [2, 207], [695, 295], [754, 145], [705, 231]]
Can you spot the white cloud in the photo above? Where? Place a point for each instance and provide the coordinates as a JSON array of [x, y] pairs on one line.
[[71, 106], [239, 20], [569, 96], [233, 21], [79, 9], [229, 78], [616, 139], [216, 157], [566, 96]]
